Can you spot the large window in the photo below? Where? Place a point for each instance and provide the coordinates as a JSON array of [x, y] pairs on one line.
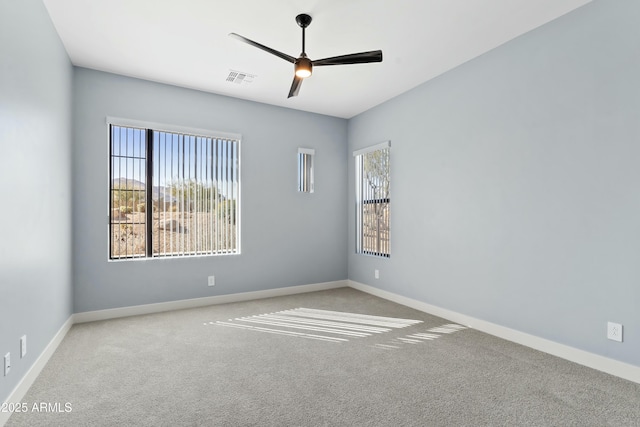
[[172, 193], [372, 200]]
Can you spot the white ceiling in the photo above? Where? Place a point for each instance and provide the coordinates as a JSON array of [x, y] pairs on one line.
[[186, 43]]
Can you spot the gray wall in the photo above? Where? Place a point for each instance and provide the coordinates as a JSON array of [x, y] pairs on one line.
[[35, 195], [516, 183], [288, 238]]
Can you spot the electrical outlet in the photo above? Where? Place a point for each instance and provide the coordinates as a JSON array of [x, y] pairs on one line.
[[23, 346], [376, 273], [7, 364], [212, 281], [614, 331]]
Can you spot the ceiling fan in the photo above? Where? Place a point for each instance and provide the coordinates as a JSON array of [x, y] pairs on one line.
[[303, 65]]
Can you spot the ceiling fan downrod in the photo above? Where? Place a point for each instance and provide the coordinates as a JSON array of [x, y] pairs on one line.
[[303, 21]]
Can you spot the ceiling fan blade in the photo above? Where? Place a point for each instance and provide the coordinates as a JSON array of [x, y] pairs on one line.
[[354, 58], [295, 86], [263, 47]]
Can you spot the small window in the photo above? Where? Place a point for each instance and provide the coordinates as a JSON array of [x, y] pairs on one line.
[[172, 193], [372, 200], [305, 170]]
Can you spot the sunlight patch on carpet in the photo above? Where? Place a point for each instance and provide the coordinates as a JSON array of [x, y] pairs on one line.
[[421, 337], [326, 325]]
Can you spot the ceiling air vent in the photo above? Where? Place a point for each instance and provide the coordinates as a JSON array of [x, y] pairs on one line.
[[239, 77]]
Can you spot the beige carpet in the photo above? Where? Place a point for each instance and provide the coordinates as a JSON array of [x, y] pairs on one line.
[[331, 358]]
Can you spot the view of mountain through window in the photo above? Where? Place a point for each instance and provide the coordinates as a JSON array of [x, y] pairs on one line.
[[192, 204]]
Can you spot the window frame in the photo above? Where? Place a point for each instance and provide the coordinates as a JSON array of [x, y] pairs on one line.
[[306, 167], [361, 202], [150, 128]]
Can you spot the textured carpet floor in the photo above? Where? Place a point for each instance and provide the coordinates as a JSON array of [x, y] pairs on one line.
[[225, 365]]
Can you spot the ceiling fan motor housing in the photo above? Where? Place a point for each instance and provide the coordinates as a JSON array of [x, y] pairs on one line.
[[303, 66]]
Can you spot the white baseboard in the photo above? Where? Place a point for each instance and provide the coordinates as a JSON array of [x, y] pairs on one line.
[[25, 383], [585, 358], [92, 316]]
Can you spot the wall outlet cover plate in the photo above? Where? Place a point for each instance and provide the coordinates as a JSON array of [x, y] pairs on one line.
[[614, 331], [7, 363], [23, 346]]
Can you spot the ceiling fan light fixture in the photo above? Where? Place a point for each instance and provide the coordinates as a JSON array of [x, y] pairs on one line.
[[303, 67]]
